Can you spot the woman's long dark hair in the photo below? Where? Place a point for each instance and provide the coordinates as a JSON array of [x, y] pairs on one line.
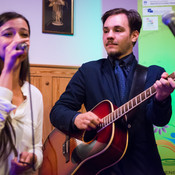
[[7, 135]]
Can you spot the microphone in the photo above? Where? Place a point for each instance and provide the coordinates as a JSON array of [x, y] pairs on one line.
[[22, 46], [169, 20]]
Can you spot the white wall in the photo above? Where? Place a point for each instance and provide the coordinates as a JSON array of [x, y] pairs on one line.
[[58, 49]]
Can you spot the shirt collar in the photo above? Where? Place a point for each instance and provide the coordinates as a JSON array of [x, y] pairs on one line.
[[125, 61], [24, 89]]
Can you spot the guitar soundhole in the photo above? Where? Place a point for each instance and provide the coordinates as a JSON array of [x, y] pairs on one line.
[[89, 135]]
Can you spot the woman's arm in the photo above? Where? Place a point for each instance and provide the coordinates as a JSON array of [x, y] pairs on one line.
[[5, 105]]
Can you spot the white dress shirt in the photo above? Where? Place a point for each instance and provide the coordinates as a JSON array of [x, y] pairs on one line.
[[22, 123]]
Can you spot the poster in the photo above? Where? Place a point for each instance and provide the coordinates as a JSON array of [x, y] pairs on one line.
[[158, 2]]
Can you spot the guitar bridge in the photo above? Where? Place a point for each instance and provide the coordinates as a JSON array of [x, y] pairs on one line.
[[66, 149]]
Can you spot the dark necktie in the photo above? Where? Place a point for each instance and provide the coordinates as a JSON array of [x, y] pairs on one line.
[[120, 80]]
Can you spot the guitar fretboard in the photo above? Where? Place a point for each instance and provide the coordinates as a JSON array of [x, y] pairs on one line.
[[127, 107]]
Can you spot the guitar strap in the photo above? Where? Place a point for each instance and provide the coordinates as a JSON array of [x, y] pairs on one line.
[[139, 80], [137, 87]]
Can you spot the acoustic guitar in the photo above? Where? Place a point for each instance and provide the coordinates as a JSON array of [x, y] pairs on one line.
[[90, 152]]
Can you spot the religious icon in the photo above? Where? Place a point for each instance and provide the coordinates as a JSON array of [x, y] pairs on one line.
[[58, 16]]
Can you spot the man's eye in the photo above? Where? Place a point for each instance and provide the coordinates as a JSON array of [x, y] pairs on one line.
[[105, 31], [117, 30]]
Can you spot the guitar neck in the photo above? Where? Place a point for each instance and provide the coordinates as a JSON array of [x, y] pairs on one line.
[[130, 105]]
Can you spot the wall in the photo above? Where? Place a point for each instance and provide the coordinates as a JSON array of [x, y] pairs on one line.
[[58, 49], [156, 46]]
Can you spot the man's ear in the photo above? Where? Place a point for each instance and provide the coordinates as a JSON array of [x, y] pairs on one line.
[[134, 36]]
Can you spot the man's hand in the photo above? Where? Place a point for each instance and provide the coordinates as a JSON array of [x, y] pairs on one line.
[[164, 87], [87, 121]]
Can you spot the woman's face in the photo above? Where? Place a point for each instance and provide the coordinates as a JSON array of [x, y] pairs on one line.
[[12, 33]]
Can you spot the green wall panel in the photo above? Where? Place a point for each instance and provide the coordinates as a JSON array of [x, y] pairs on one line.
[[157, 47]]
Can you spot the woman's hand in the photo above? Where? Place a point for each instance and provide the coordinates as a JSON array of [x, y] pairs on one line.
[[14, 57], [22, 165]]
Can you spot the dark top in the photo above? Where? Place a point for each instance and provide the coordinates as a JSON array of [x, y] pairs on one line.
[[94, 82]]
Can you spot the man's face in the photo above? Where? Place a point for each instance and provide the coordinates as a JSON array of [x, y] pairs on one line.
[[117, 38]]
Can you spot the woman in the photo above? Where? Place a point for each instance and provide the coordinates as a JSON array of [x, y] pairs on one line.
[[21, 117]]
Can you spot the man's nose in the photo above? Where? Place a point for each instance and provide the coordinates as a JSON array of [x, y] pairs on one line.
[[110, 34]]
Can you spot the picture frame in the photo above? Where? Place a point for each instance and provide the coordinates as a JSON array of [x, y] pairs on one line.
[[58, 16]]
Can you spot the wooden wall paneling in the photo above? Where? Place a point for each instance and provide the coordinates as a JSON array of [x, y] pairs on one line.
[[51, 81], [46, 89], [36, 81], [56, 92], [60, 84]]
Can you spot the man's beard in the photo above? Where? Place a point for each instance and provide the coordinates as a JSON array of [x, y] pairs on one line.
[[114, 55]]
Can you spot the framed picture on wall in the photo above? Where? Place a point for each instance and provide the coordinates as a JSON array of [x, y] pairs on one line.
[[57, 16]]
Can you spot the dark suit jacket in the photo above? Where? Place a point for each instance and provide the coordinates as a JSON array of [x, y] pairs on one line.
[[95, 81]]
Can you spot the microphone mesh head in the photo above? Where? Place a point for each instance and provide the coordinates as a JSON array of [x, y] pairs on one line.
[[21, 46], [168, 17]]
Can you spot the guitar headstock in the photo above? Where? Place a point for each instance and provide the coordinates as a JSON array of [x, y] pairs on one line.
[[172, 76]]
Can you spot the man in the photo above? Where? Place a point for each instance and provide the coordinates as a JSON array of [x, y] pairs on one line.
[[97, 81]]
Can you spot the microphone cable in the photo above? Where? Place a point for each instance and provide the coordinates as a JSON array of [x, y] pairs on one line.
[[31, 108]]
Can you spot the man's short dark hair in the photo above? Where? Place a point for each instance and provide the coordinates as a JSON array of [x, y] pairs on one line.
[[134, 18]]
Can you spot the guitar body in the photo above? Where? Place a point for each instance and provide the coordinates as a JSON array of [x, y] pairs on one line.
[[64, 155]]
